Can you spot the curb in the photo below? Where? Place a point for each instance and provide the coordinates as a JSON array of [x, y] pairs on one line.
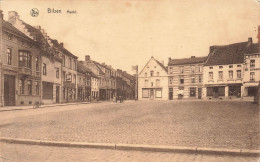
[[135, 147]]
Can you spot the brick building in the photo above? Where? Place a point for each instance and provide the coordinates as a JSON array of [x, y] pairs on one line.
[[20, 70], [186, 77], [224, 70]]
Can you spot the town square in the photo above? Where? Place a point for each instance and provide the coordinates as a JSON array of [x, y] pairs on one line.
[[130, 81]]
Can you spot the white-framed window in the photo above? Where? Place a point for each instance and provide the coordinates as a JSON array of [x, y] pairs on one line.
[[181, 69], [158, 93], [239, 74], [220, 75], [210, 75], [230, 74], [157, 82], [145, 93]]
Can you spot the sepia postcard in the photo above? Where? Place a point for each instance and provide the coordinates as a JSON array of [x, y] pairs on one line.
[[130, 80]]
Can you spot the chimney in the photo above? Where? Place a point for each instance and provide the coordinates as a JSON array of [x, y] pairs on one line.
[[38, 27], [87, 58], [12, 17], [211, 49], [192, 57], [162, 62], [250, 40], [258, 35], [61, 44]]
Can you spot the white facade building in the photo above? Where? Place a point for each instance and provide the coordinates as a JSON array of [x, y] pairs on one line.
[[153, 81]]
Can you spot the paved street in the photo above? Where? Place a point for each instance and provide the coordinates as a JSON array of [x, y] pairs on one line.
[[214, 124], [21, 153]]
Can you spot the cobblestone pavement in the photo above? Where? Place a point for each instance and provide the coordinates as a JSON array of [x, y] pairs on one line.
[[22, 153], [215, 124]]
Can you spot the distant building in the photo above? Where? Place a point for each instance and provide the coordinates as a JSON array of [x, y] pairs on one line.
[[224, 70], [186, 77], [83, 82], [153, 81], [252, 70], [68, 72]]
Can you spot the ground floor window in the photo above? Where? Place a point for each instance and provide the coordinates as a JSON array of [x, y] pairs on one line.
[[158, 93], [215, 91], [47, 90], [252, 91], [234, 91], [192, 92], [21, 86], [145, 93]]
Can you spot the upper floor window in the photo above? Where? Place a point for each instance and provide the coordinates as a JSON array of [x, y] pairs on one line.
[[220, 75], [57, 72], [210, 75], [151, 84], [200, 78], [74, 78], [63, 60], [211, 67], [44, 69], [146, 83], [239, 74], [64, 76], [252, 76], [181, 81], [9, 36], [170, 80], [230, 66], [157, 82], [145, 74], [252, 63], [75, 65], [181, 69], [238, 65], [192, 69], [37, 63], [230, 74], [25, 59], [192, 79], [158, 73], [9, 56], [151, 73], [70, 63], [221, 67], [199, 69]]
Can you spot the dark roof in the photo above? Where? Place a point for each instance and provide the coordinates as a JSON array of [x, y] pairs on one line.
[[60, 47], [37, 34], [183, 61], [158, 62], [9, 27], [83, 69], [253, 48], [228, 54]]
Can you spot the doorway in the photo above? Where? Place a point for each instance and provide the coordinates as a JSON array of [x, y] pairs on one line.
[[152, 94], [9, 90], [170, 93], [57, 94], [199, 93]]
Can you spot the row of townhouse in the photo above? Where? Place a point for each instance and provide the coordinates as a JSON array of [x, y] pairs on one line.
[[35, 68], [111, 83], [229, 71]]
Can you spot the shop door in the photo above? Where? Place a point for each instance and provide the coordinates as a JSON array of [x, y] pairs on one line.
[[57, 94], [199, 93], [170, 93], [9, 90], [152, 94]]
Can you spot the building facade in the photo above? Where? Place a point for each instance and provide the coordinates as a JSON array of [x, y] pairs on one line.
[[185, 77], [251, 77], [20, 73], [224, 71], [83, 82], [153, 81]]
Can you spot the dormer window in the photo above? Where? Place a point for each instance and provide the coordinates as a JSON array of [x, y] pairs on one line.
[[210, 67], [145, 74], [10, 36], [230, 66]]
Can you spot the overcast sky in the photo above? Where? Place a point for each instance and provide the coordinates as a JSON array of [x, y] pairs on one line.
[[125, 33]]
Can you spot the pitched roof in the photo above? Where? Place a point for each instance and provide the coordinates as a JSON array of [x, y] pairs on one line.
[[83, 69], [253, 48], [158, 62], [228, 54], [64, 50], [183, 61], [9, 27], [37, 34]]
